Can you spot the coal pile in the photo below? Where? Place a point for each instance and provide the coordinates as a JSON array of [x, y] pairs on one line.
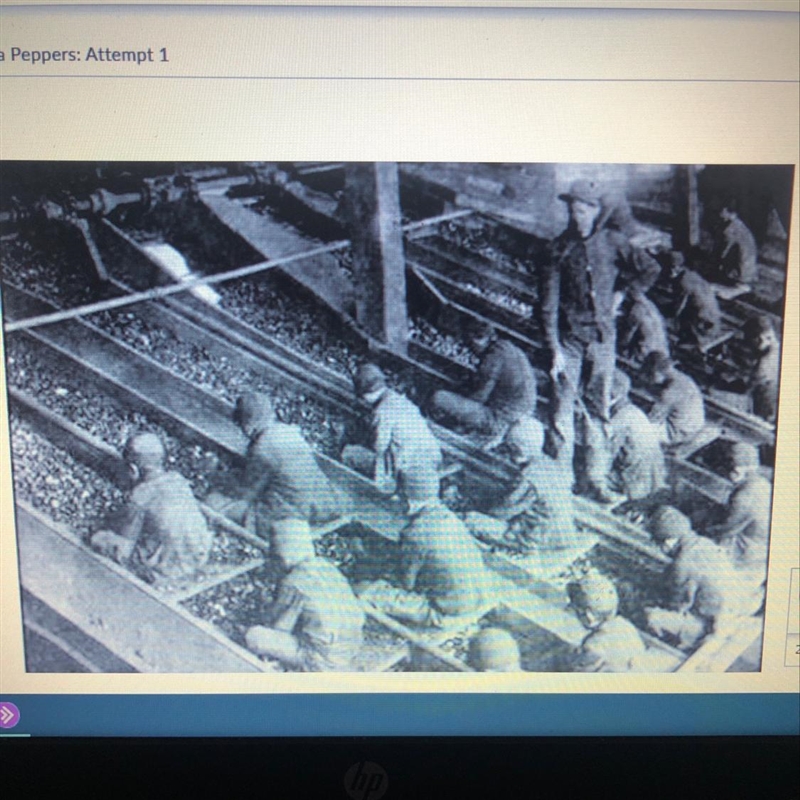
[[294, 321], [58, 277], [477, 236], [320, 424], [504, 300], [53, 482], [422, 331], [237, 605], [34, 370]]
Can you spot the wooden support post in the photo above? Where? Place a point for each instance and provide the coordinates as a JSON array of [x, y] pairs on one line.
[[373, 219], [687, 216]]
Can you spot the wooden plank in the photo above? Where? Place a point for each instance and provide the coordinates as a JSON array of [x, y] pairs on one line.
[[717, 653], [216, 578]]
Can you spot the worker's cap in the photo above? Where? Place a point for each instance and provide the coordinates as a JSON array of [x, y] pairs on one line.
[[527, 436], [369, 378], [478, 329], [755, 326], [585, 191], [253, 409], [292, 541], [494, 650], [145, 450], [668, 523], [596, 593], [744, 456], [620, 386], [656, 361]]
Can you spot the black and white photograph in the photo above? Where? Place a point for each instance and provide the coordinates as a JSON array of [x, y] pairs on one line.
[[393, 417]]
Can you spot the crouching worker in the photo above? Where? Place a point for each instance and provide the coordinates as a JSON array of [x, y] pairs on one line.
[[702, 591], [503, 392], [638, 467], [679, 405], [441, 572], [742, 527], [281, 478], [315, 623], [494, 650], [613, 644], [161, 532], [405, 456], [538, 513]]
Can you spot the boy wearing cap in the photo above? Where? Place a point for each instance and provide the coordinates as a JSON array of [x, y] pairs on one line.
[[538, 512], [762, 363], [281, 479], [638, 468], [613, 644], [315, 623], [679, 405], [742, 528], [640, 327], [702, 592], [161, 532], [696, 312], [406, 455], [504, 388], [578, 310]]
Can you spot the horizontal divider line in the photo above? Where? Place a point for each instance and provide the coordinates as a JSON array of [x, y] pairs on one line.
[[409, 78]]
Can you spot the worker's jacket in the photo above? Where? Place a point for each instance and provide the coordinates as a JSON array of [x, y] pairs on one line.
[[505, 382], [702, 580], [679, 406], [405, 446], [638, 460], [439, 558], [578, 286], [282, 471], [330, 623], [164, 519]]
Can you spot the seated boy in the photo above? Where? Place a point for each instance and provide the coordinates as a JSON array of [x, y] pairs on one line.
[[702, 592], [441, 571], [638, 468], [316, 623], [538, 512], [613, 644], [679, 405], [161, 532]]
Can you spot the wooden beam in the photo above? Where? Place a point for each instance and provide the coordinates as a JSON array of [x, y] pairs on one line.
[[372, 211]]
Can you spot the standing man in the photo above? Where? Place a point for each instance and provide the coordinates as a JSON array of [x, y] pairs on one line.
[[504, 389], [578, 308], [406, 455]]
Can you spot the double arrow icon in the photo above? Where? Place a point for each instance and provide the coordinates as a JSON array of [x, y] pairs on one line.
[[9, 715]]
